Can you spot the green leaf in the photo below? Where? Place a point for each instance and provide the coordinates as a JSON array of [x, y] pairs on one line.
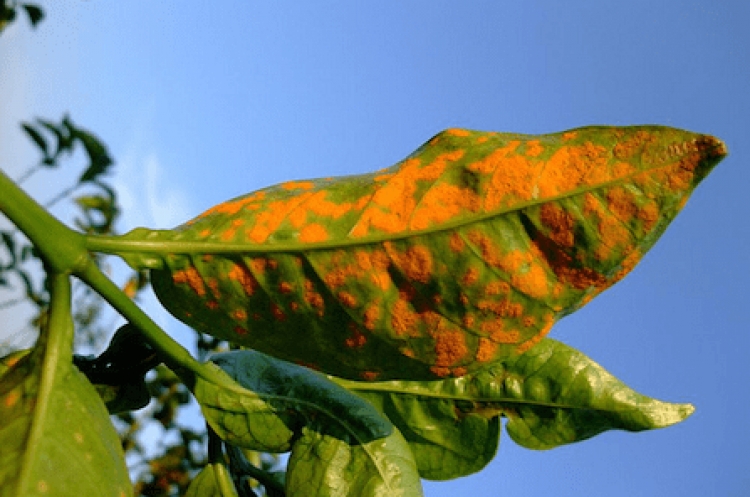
[[325, 465], [212, 481], [36, 138], [446, 434], [552, 395], [264, 402], [99, 158], [56, 435], [464, 254]]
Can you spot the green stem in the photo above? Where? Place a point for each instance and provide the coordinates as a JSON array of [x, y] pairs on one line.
[[62, 249], [64, 252]]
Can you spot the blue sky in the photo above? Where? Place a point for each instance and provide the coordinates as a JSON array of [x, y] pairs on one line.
[[200, 102]]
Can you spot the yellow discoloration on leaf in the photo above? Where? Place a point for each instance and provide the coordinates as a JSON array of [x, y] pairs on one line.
[[462, 254]]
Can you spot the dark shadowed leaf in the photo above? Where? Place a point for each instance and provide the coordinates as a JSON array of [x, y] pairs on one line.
[[35, 13], [264, 402]]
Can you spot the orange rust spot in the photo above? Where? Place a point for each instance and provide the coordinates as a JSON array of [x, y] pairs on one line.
[[528, 321], [442, 203], [498, 334], [212, 304], [347, 299], [313, 233], [239, 330], [403, 318], [456, 243], [213, 285], [244, 278], [533, 148], [440, 371], [570, 135], [559, 222], [12, 398], [549, 321], [369, 375], [278, 312], [533, 282], [649, 215], [298, 185], [204, 233], [259, 265], [372, 315], [486, 350], [457, 132], [356, 341], [416, 263], [471, 277], [482, 139], [497, 288], [285, 287], [621, 204], [193, 279], [239, 314]]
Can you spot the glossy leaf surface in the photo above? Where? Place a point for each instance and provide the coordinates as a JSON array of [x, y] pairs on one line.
[[333, 465], [55, 433], [552, 395], [461, 255], [265, 402]]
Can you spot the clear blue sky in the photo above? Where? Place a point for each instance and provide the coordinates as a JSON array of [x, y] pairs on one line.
[[203, 101]]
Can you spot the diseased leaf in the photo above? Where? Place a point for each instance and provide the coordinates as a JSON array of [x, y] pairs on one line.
[[271, 400], [325, 465], [463, 254], [55, 434], [552, 395]]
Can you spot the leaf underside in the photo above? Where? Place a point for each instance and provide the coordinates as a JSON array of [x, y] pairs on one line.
[[551, 395], [464, 254]]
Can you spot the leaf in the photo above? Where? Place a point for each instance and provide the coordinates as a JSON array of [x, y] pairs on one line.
[[464, 254], [99, 158], [264, 402], [56, 435], [212, 481], [437, 419], [35, 13], [552, 395], [323, 465], [37, 138]]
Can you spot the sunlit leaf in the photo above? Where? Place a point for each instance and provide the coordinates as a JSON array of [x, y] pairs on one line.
[[264, 402], [55, 434], [463, 254], [331, 465]]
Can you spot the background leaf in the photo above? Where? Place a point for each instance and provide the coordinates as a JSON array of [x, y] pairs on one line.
[[212, 481], [463, 254]]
